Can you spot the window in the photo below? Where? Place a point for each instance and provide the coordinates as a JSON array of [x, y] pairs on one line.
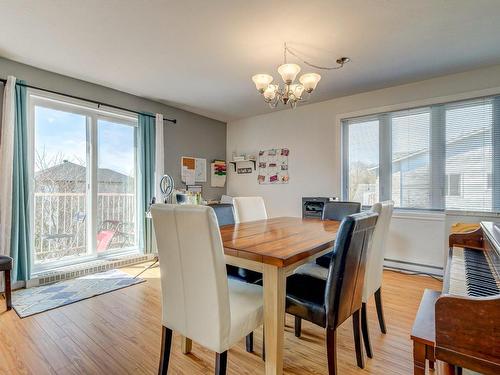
[[452, 185], [445, 156], [363, 162], [85, 177], [469, 145], [410, 169]]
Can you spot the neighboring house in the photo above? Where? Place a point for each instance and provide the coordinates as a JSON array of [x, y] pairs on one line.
[[69, 177], [466, 185]]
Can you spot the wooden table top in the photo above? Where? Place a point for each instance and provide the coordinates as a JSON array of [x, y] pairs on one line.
[[279, 241]]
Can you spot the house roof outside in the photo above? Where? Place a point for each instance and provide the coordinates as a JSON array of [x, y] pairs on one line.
[[72, 172]]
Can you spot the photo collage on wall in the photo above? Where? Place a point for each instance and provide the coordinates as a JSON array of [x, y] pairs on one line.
[[273, 166]]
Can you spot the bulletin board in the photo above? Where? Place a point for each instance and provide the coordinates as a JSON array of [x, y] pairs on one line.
[[193, 170], [273, 166]]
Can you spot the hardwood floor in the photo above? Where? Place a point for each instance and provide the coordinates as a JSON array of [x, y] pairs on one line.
[[119, 333]]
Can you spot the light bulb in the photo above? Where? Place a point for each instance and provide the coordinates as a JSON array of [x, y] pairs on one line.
[[288, 72], [262, 81], [270, 92], [309, 81], [297, 90]]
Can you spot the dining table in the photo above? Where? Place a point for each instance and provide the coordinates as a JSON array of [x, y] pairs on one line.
[[276, 247]]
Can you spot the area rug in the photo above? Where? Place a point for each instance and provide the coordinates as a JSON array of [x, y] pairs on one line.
[[35, 300]]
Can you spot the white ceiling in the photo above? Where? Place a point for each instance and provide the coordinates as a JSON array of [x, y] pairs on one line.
[[200, 54]]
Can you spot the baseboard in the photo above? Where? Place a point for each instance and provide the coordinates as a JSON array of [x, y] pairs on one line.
[[87, 268], [400, 265]]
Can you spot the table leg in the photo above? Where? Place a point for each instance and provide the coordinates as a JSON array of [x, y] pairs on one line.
[[418, 358], [186, 345], [274, 312]]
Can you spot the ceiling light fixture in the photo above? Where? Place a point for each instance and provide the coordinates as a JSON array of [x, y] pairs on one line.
[[291, 93]]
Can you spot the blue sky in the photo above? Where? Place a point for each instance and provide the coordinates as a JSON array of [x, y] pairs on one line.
[[62, 136]]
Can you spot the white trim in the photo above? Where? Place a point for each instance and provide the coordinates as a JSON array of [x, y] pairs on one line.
[[485, 214], [477, 94], [413, 267], [77, 260], [56, 101], [420, 215]]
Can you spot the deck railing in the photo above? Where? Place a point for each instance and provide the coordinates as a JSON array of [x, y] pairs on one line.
[[61, 219]]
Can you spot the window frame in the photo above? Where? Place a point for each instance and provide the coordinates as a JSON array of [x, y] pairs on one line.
[[92, 113], [447, 186], [438, 129]]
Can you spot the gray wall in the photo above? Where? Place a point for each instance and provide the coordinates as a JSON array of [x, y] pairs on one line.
[[193, 135]]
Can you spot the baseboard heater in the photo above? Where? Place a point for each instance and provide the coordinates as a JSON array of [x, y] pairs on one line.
[[400, 265], [87, 268]]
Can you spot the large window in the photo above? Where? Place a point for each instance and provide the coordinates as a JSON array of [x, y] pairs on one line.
[[84, 169], [445, 156]]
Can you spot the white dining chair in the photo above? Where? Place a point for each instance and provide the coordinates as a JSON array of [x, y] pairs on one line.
[[198, 300], [373, 274], [374, 270], [249, 209]]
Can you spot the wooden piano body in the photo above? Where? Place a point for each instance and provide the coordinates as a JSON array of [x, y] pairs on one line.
[[468, 326]]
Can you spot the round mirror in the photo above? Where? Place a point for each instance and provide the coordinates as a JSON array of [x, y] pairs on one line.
[[166, 186]]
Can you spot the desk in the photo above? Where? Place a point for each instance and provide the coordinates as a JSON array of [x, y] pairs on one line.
[[276, 247]]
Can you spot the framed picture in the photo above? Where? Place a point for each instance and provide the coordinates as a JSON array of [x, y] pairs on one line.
[[273, 166]]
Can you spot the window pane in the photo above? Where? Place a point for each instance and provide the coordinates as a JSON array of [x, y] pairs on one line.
[[116, 180], [410, 159], [469, 154], [60, 205], [364, 162]]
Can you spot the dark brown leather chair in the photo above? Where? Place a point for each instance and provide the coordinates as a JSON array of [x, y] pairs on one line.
[[336, 210], [6, 267], [225, 216], [328, 303]]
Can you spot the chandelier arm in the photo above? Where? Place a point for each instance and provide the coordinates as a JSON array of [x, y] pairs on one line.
[[340, 64]]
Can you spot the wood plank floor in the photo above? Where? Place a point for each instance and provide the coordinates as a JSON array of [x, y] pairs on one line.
[[119, 333]]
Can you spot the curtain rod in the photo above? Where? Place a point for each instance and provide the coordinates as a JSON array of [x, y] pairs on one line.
[[174, 121]]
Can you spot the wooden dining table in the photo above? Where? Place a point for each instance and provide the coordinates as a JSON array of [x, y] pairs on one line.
[[276, 247]]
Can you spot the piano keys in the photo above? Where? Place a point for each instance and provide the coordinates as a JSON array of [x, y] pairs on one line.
[[468, 311]]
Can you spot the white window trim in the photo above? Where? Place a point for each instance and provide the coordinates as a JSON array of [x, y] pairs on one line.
[[95, 112], [446, 99]]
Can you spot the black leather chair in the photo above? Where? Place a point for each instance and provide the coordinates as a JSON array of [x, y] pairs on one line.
[[224, 213], [6, 267], [225, 216], [328, 303], [336, 210]]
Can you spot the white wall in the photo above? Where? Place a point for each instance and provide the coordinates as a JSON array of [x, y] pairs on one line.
[[312, 133]]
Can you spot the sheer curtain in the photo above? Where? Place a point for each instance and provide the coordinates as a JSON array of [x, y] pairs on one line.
[[159, 155], [6, 165]]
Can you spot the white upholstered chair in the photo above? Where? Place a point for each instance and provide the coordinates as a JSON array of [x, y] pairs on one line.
[[198, 300], [373, 273], [249, 209], [375, 268]]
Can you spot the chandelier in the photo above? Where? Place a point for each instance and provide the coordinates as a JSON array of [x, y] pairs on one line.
[[290, 92]]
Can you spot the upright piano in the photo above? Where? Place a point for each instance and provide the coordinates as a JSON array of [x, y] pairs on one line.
[[468, 312]]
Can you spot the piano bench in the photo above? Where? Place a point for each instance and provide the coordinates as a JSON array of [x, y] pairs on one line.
[[423, 333]]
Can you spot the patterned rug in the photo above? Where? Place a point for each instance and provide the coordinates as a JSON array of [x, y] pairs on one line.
[[35, 300]]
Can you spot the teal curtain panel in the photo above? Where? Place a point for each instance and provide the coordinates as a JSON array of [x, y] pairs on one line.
[[21, 230], [147, 130]]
